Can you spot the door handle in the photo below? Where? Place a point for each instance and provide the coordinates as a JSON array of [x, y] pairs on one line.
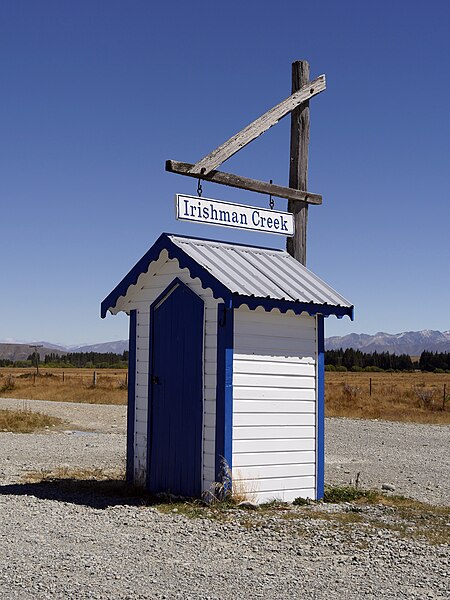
[[155, 380]]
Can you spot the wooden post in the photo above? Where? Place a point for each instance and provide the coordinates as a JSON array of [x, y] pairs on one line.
[[298, 170]]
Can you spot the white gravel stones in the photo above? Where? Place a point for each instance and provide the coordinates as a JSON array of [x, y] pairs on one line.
[[388, 487], [76, 547], [413, 458]]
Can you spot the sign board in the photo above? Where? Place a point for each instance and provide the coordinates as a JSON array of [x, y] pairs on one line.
[[229, 214]]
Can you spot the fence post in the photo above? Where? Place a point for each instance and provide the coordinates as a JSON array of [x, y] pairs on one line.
[[63, 376], [94, 379], [443, 399], [370, 386]]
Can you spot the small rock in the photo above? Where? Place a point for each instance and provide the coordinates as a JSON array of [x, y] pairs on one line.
[[248, 504], [388, 487]]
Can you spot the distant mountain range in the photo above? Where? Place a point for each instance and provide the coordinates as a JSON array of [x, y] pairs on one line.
[[21, 351], [408, 342]]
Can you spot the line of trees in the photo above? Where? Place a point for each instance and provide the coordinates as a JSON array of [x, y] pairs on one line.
[[98, 360], [90, 360], [356, 360], [434, 361], [349, 360], [6, 362]]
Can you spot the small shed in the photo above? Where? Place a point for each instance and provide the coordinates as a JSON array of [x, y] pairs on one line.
[[226, 367]]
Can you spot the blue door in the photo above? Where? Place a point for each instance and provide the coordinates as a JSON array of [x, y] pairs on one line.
[[175, 393]]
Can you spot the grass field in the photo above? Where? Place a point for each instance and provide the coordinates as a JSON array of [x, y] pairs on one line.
[[416, 397], [25, 421], [71, 385]]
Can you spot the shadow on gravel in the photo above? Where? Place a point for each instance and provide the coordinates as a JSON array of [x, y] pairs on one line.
[[94, 494]]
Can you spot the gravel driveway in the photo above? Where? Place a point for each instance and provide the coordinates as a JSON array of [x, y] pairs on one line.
[[75, 545]]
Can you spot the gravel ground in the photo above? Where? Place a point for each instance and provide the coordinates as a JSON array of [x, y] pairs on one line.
[[414, 458], [69, 543], [104, 418]]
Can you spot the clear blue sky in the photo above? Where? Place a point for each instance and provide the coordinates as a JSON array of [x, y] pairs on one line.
[[96, 95]]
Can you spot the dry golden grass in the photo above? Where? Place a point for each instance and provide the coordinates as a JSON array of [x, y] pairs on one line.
[[74, 385], [232, 489], [75, 474], [411, 397], [25, 421], [408, 397]]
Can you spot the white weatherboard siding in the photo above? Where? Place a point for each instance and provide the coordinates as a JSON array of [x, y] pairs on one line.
[[149, 286], [274, 404]]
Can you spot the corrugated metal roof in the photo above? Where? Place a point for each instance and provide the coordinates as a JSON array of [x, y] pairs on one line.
[[240, 275], [259, 272]]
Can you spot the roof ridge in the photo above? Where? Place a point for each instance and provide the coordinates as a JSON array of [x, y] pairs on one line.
[[223, 242]]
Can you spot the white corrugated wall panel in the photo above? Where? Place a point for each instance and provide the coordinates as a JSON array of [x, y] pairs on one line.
[[291, 444], [254, 459], [274, 404], [272, 432], [150, 286], [272, 393]]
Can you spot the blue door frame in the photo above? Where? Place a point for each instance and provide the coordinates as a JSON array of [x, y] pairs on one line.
[[175, 386]]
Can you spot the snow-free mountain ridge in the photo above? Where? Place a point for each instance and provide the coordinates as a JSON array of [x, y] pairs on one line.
[[20, 351]]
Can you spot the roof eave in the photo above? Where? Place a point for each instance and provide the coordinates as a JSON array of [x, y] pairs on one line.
[[175, 252], [283, 306]]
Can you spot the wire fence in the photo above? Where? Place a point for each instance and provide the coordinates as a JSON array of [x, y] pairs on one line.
[[90, 378]]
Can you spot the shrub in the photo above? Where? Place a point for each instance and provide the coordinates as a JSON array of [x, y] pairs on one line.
[[330, 368], [122, 385], [301, 501], [425, 396], [348, 494], [9, 384], [341, 369], [350, 391]]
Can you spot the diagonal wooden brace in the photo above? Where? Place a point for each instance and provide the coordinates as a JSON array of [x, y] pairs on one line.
[[257, 127]]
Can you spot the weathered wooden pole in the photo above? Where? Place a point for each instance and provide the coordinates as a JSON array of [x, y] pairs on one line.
[[298, 170]]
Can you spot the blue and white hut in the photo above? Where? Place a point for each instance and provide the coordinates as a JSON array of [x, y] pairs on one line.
[[226, 367]]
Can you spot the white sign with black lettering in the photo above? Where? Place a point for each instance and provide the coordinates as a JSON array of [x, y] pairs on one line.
[[229, 214]]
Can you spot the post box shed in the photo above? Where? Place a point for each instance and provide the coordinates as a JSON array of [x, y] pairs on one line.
[[226, 366]]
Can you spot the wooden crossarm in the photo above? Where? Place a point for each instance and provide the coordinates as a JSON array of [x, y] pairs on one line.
[[259, 126], [245, 183]]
